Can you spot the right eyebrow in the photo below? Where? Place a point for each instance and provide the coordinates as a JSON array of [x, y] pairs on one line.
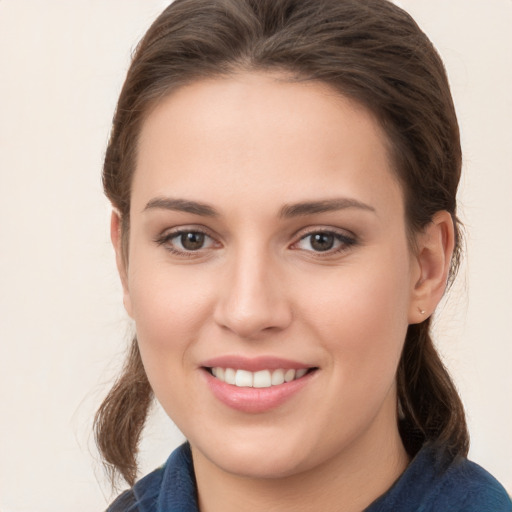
[[182, 205]]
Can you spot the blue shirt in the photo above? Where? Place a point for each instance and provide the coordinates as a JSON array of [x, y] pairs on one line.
[[431, 483]]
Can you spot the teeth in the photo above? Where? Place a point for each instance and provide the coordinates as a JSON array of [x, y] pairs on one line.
[[277, 377], [229, 376], [260, 379], [299, 373], [289, 375], [243, 379]]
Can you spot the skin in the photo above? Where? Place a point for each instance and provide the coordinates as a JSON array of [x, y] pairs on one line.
[[248, 146]]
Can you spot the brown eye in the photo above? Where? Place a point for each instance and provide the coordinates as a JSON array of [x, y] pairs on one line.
[[186, 242], [322, 241], [192, 241]]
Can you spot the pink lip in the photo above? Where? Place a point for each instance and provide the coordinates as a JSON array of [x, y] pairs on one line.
[[253, 364], [255, 400]]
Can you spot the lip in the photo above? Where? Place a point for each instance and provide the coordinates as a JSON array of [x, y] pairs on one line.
[[254, 364], [255, 400]]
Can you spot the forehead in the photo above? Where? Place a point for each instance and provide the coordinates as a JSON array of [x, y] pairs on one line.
[[262, 135]]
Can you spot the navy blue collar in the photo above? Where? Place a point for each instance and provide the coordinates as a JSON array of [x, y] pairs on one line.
[[433, 482]]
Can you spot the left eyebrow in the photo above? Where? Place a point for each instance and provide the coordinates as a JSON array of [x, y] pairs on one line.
[[327, 205]]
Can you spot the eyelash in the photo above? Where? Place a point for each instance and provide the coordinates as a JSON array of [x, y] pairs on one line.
[[345, 242], [166, 238]]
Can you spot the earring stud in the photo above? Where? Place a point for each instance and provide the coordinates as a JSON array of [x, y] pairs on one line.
[[422, 311]]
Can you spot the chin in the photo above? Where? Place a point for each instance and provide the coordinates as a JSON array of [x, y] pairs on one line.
[[257, 465], [259, 459]]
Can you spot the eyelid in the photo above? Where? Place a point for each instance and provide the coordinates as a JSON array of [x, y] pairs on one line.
[[346, 238], [311, 230], [165, 237]]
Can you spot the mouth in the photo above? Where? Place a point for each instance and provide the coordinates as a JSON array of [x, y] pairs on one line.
[[257, 384], [266, 378]]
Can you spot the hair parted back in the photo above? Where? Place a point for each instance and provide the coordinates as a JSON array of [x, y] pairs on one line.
[[370, 51]]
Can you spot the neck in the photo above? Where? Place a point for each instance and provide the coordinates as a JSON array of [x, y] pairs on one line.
[[348, 482]]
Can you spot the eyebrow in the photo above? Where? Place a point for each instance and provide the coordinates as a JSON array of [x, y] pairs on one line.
[[182, 205], [287, 211], [327, 205]]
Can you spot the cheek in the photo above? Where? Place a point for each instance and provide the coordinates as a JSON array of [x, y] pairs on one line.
[[169, 309], [360, 314], [169, 305]]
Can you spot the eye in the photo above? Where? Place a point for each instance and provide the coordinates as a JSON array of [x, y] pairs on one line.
[[190, 241], [186, 241], [324, 242]]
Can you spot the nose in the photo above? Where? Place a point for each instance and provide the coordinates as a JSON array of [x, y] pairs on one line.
[[253, 299]]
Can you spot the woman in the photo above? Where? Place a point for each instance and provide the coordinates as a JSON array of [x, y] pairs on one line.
[[283, 176]]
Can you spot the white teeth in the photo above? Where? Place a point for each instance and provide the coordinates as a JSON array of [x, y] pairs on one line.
[[299, 373], [260, 379], [289, 375], [229, 376], [243, 379], [277, 377]]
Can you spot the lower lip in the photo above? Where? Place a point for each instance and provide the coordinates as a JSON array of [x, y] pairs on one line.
[[255, 400]]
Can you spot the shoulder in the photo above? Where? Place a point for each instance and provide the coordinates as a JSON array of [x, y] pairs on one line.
[[143, 497], [170, 488], [435, 482], [468, 487]]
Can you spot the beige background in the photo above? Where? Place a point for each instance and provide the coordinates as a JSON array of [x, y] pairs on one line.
[[62, 327]]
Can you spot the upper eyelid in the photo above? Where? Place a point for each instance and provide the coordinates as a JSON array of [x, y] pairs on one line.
[[303, 232], [186, 229]]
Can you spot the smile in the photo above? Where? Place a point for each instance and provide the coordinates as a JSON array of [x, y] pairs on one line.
[[258, 391], [259, 379], [257, 384]]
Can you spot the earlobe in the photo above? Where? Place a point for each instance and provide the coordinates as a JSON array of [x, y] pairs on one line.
[[116, 237], [433, 258]]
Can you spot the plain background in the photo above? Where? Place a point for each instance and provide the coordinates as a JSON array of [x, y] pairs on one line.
[[62, 326]]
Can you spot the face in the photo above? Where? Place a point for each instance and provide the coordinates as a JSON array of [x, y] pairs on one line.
[[269, 273]]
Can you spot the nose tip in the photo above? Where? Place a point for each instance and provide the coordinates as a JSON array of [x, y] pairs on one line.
[[253, 303], [249, 322]]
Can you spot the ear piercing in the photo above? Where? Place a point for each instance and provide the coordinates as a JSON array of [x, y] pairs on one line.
[[422, 311]]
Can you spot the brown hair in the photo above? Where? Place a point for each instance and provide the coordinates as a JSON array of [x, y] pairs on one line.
[[368, 50]]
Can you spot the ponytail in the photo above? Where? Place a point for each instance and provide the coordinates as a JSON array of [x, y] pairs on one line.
[[430, 408], [119, 421]]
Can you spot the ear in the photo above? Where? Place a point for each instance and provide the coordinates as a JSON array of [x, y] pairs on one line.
[[434, 249], [115, 236]]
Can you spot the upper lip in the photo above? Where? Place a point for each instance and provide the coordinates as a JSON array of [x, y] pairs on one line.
[[253, 364]]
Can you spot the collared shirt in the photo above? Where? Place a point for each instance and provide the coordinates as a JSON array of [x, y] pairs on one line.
[[431, 483]]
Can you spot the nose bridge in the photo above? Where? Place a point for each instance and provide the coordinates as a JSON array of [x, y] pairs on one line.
[[253, 298]]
